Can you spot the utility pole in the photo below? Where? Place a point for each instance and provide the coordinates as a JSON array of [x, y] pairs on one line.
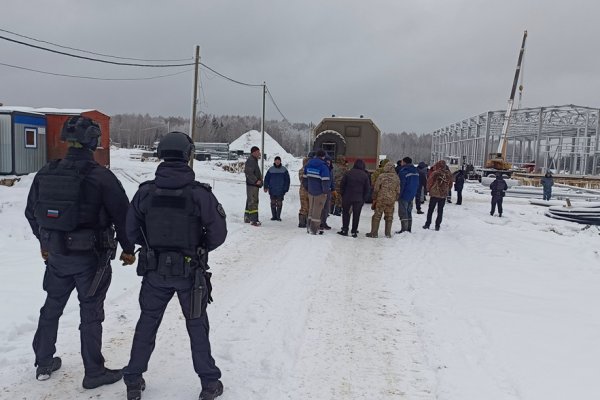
[[262, 128], [194, 102]]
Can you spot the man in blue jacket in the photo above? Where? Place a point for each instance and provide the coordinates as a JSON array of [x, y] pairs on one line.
[[277, 184], [317, 182], [409, 183]]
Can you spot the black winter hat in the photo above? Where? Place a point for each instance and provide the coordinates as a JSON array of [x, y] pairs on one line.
[[407, 160]]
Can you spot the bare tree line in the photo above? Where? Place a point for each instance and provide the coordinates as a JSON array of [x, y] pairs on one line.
[[129, 130]]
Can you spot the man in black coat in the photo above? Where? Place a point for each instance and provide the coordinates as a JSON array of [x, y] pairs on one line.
[[254, 181], [74, 207], [459, 183], [177, 221], [354, 189], [498, 188]]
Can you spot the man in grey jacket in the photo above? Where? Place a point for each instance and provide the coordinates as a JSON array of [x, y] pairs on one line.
[[254, 182]]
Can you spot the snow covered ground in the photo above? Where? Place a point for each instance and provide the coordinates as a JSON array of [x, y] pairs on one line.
[[487, 308]]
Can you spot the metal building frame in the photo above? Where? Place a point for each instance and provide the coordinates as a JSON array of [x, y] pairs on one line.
[[561, 138]]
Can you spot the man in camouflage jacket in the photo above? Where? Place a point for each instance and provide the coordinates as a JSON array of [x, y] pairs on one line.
[[303, 212], [385, 194]]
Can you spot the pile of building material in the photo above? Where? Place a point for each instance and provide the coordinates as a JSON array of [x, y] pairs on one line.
[[588, 214]]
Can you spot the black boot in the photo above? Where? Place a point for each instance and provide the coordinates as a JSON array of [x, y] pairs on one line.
[[274, 213], [134, 390], [106, 378], [44, 372], [211, 391], [279, 207], [301, 221]]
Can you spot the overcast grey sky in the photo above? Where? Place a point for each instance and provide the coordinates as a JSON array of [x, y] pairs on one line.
[[409, 65]]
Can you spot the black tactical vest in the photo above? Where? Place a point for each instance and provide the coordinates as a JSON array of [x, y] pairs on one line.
[[173, 231], [60, 205]]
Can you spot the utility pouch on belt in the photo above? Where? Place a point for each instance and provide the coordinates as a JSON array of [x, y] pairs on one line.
[[146, 261], [81, 240], [173, 264], [53, 241]]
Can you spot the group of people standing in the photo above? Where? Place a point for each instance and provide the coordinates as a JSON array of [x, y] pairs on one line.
[[327, 188]]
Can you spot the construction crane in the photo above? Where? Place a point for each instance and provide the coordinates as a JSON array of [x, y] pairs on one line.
[[497, 161]]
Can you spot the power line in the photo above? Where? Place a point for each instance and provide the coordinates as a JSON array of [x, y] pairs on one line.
[[95, 59], [275, 104], [228, 78], [92, 77], [90, 52]]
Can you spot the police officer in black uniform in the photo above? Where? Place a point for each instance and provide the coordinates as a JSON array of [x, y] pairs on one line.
[[74, 207], [177, 221]]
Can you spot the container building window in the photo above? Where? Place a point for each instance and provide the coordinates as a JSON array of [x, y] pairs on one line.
[[352, 131], [30, 138]]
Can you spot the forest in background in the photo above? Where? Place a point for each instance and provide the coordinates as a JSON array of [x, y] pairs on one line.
[[128, 130]]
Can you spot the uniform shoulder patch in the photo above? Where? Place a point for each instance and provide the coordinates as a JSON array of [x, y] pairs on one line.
[[220, 210]]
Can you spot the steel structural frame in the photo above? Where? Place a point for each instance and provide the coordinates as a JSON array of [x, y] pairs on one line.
[[563, 138]]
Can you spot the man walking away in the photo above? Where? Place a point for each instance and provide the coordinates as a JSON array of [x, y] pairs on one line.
[[547, 182], [253, 183], [317, 182], [409, 184], [439, 184], [355, 188], [459, 183], [385, 192], [498, 188], [277, 184]]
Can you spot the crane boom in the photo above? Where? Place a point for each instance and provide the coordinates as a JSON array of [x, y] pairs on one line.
[[501, 153]]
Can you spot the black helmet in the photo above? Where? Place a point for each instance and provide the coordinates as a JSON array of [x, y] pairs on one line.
[[175, 146], [82, 130]]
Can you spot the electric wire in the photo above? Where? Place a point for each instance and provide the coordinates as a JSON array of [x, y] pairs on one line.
[[92, 77], [230, 79], [91, 52], [123, 64], [275, 104], [95, 59]]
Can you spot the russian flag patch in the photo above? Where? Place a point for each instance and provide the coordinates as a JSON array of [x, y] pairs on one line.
[[52, 214]]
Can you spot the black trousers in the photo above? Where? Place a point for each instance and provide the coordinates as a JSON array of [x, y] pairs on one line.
[[497, 201], [433, 202], [276, 206], [59, 288], [356, 208], [155, 294], [459, 197]]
